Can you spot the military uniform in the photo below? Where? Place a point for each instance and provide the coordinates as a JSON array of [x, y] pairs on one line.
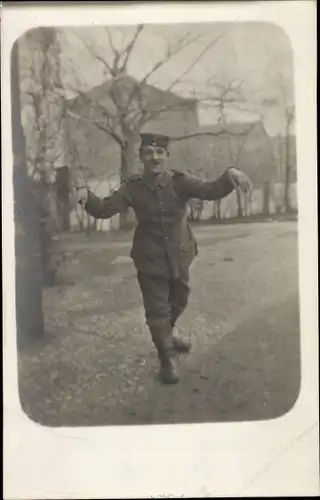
[[163, 244]]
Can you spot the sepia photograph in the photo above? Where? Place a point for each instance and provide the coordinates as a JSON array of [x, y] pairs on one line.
[[156, 224], [159, 170]]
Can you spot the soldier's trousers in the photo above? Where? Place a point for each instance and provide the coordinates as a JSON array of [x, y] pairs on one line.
[[164, 301]]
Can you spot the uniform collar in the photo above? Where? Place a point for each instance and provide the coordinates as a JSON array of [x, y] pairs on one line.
[[162, 180]]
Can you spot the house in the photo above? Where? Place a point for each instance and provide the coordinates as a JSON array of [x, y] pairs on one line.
[[249, 147], [244, 145], [209, 151], [96, 150], [212, 150]]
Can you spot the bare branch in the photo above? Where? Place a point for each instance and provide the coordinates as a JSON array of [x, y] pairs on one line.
[[97, 124], [129, 48], [222, 132], [194, 63], [94, 53], [234, 158], [148, 115], [112, 119], [114, 50], [173, 50]]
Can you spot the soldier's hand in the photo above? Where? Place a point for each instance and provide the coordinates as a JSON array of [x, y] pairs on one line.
[[240, 181]]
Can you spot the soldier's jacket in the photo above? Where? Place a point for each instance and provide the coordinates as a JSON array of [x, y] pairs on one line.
[[163, 242]]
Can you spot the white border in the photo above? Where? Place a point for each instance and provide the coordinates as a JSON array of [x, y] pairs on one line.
[[278, 457]]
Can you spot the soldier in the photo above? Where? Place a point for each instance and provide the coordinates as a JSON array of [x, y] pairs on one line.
[[163, 245]]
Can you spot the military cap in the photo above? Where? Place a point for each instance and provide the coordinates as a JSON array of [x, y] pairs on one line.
[[149, 139]]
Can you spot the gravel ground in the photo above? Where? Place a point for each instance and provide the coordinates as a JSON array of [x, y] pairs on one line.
[[96, 364]]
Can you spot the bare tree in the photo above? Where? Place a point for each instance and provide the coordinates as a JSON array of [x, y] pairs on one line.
[[125, 106], [289, 118], [29, 314], [197, 161], [230, 95], [244, 99], [79, 148], [43, 111], [281, 100], [42, 99]]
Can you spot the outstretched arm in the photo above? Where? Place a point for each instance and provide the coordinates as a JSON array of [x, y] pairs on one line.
[[104, 208], [232, 178]]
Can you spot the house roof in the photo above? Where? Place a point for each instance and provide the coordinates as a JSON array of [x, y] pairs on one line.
[[256, 155], [246, 145], [234, 128], [152, 93]]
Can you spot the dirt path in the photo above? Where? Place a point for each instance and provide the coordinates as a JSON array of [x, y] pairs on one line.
[[97, 364]]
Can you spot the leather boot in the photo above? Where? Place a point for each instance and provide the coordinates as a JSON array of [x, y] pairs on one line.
[[168, 373], [180, 345], [162, 338]]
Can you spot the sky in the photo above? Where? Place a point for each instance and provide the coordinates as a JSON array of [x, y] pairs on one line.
[[258, 54]]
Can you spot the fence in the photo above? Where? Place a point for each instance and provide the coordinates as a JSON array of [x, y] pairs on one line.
[[79, 219], [229, 206]]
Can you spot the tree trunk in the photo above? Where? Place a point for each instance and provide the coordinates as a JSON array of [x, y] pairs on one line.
[[248, 206], [91, 226], [191, 211], [127, 217], [29, 314], [63, 193], [287, 172], [45, 38], [218, 205], [287, 207], [216, 213], [266, 199], [81, 223], [239, 204], [81, 217]]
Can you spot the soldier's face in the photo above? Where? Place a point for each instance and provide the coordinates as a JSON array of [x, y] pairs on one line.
[[154, 158]]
